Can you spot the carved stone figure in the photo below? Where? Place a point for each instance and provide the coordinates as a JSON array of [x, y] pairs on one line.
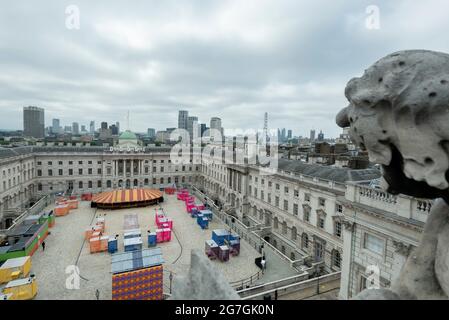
[[399, 112]]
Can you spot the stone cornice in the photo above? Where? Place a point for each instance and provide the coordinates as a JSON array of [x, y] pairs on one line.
[[378, 214]]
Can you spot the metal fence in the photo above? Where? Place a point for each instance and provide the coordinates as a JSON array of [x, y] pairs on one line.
[[295, 291]]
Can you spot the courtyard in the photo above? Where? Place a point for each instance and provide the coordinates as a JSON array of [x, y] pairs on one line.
[[66, 247]]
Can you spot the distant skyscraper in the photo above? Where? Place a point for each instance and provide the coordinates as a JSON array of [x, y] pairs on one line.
[[182, 119], [104, 125], [151, 132], [92, 127], [203, 128], [83, 128], [75, 128], [55, 126], [192, 127], [320, 136], [117, 124], [312, 135], [114, 129], [68, 129], [33, 122], [215, 125], [289, 134]]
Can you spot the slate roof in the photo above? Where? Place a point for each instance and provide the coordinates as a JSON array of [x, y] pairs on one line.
[[328, 172]]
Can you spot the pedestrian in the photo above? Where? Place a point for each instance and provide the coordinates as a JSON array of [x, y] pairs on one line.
[[263, 262], [43, 245]]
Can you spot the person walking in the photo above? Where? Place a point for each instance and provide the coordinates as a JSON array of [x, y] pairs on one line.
[[43, 245], [263, 263]]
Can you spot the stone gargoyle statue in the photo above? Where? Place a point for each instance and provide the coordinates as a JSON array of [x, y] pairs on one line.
[[399, 112]]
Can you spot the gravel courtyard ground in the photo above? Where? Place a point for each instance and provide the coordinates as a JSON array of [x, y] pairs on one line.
[[65, 246]]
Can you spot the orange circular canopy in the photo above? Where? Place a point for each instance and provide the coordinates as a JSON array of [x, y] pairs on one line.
[[126, 196]]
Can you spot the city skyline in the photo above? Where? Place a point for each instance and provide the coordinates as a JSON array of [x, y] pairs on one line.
[[265, 60]]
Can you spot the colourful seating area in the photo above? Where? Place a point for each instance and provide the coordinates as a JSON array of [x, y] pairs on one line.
[[64, 205], [222, 245], [164, 228]]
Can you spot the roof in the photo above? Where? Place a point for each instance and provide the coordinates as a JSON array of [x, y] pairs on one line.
[[19, 282], [127, 195], [139, 259], [6, 153], [328, 172], [15, 262], [128, 135], [18, 231]]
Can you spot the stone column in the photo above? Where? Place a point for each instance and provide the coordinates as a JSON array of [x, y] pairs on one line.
[[346, 262]]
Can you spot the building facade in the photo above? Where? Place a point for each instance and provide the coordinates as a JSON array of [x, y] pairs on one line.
[[311, 214], [33, 122], [380, 230]]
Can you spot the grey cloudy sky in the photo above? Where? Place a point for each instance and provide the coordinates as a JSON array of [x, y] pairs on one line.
[[232, 59]]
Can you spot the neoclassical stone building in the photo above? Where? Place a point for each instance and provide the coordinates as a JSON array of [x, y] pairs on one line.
[[379, 232], [309, 213], [297, 204]]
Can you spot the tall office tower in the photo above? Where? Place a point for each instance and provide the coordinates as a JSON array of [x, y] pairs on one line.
[[117, 124], [320, 136], [151, 133], [68, 129], [83, 128], [114, 130], [215, 126], [203, 128], [192, 127], [283, 135], [75, 128], [182, 119], [92, 127], [312, 135], [55, 126], [33, 122], [215, 123], [289, 134], [104, 125]]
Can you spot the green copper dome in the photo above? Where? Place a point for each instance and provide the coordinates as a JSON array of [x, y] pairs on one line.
[[128, 135]]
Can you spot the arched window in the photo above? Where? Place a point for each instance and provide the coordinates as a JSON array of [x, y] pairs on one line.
[[109, 184], [275, 223], [292, 256], [80, 184], [336, 258], [284, 227], [135, 183], [294, 233], [146, 182], [304, 241]]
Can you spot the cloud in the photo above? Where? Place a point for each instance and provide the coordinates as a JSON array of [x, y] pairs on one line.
[[231, 59]]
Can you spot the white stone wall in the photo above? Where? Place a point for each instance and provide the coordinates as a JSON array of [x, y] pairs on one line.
[[397, 235]]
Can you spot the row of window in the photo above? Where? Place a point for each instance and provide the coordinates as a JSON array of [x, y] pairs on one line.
[[69, 171], [70, 162]]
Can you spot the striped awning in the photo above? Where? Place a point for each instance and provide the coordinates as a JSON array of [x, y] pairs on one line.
[[126, 195]]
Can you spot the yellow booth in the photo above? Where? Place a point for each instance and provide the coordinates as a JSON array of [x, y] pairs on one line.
[[21, 289], [15, 268]]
